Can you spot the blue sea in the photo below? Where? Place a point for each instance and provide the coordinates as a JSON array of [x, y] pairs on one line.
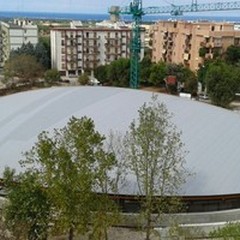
[[101, 17]]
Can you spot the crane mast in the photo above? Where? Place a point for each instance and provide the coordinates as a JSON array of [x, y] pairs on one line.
[[137, 13]]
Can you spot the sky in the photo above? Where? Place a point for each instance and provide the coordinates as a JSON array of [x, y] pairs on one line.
[[81, 6]]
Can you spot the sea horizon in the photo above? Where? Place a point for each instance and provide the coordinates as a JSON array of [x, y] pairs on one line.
[[105, 16]]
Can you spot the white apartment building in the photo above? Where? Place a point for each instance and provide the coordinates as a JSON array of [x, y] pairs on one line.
[[15, 34], [78, 48]]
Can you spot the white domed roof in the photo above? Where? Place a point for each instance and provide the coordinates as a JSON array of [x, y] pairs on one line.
[[211, 134]]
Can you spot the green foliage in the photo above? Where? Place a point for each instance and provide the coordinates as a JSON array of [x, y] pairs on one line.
[[28, 212], [43, 30], [45, 41], [119, 72], [216, 53], [190, 82], [42, 55], [73, 164], [158, 73], [232, 54], [52, 76], [83, 79], [145, 69], [222, 82], [202, 52], [41, 52], [24, 67], [172, 88], [176, 70], [25, 49], [5, 233], [230, 231], [101, 74], [190, 233], [155, 156]]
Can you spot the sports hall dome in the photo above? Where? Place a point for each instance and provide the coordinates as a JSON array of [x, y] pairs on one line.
[[211, 134]]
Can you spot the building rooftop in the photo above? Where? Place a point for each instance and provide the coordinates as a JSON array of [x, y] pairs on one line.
[[211, 134]]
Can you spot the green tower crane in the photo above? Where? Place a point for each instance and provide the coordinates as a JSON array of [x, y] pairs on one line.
[[134, 9], [137, 11]]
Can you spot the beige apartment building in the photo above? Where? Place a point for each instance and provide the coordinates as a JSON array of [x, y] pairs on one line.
[[14, 34], [190, 43], [77, 48]]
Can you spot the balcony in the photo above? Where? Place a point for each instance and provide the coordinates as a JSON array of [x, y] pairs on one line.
[[71, 54], [90, 37], [71, 44], [112, 38], [95, 60], [186, 56], [71, 59], [70, 37], [112, 53], [208, 45], [91, 53]]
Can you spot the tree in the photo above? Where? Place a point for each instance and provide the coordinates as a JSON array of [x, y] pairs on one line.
[[73, 164], [229, 231], [83, 79], [222, 82], [45, 41], [176, 70], [145, 69], [119, 72], [190, 81], [41, 51], [25, 49], [28, 212], [42, 55], [232, 54], [24, 67], [158, 73], [52, 76], [155, 156], [101, 74], [106, 212], [203, 51]]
